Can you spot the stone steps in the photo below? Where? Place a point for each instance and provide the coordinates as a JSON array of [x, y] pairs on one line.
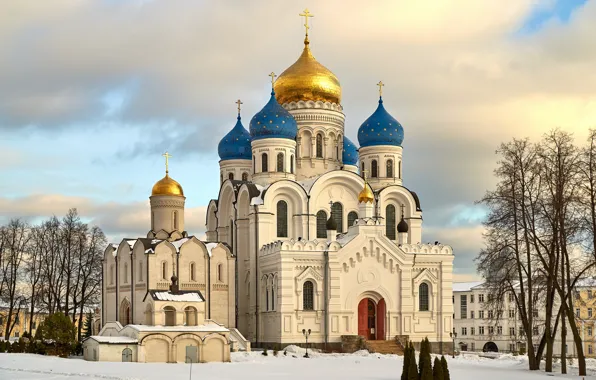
[[384, 347]]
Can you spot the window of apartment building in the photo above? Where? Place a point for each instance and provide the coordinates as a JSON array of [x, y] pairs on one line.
[[589, 294], [577, 313], [481, 314], [471, 298], [464, 331], [471, 314], [589, 330], [490, 297], [499, 330], [490, 314], [511, 297], [576, 294], [535, 313], [522, 332], [16, 334], [473, 346], [535, 347], [535, 330], [480, 297], [589, 312], [481, 330], [472, 331], [33, 325], [491, 330], [590, 349], [511, 313], [463, 306], [512, 331], [1, 320], [511, 347]]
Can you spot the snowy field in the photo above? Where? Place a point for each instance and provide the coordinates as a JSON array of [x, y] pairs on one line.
[[256, 366]]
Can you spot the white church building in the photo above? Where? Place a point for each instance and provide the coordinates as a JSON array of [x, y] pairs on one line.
[[297, 239]]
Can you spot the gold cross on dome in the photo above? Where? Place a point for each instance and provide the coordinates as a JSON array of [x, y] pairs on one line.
[[167, 156], [238, 102], [306, 14], [380, 84], [272, 75]]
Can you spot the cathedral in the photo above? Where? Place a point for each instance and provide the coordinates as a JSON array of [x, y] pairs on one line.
[[310, 237]]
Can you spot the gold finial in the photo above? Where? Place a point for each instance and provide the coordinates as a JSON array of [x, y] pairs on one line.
[[380, 84], [272, 75], [167, 156], [306, 14], [238, 102], [366, 196]]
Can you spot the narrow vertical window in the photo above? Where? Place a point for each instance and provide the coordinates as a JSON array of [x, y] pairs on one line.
[[399, 170], [245, 176], [125, 273], [254, 164], [267, 299], [273, 295], [282, 219], [175, 216], [111, 274], [389, 168], [308, 296], [319, 145], [152, 220], [292, 164], [321, 224], [362, 170], [390, 227], [374, 170], [337, 213], [231, 176], [140, 271], [264, 163], [280, 162], [352, 216], [423, 297], [164, 273], [192, 272], [220, 272]]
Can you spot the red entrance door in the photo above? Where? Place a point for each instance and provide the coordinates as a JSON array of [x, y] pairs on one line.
[[367, 311]]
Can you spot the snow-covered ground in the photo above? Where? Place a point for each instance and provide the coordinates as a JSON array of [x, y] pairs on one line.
[[360, 365]]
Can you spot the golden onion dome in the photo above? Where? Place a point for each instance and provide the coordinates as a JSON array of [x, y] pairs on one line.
[[307, 79], [167, 186], [366, 195]]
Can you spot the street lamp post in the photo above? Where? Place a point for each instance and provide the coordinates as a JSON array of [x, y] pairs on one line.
[[306, 333], [453, 335]]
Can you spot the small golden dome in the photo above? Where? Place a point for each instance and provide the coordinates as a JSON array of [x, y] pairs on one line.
[[307, 80], [366, 195], [167, 186]]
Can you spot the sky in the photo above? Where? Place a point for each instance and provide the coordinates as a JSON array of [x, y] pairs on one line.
[[93, 92]]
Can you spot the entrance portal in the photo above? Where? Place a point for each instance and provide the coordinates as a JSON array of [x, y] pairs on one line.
[[371, 319]]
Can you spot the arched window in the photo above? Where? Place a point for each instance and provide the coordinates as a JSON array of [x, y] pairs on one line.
[[273, 295], [191, 316], [231, 176], [152, 220], [112, 274], [337, 213], [423, 297], [374, 170], [292, 164], [321, 225], [308, 302], [170, 316], [362, 169], [220, 273], [390, 222], [282, 219], [254, 164], [352, 216], [267, 299], [319, 145], [140, 271], [264, 163], [280, 162], [399, 170], [125, 273], [389, 168], [192, 272], [164, 271], [245, 176], [175, 216], [336, 151]]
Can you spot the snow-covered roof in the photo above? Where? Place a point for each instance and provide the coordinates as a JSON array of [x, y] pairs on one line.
[[258, 200], [114, 339], [210, 247], [210, 327], [465, 286], [587, 282], [307, 184], [177, 297]]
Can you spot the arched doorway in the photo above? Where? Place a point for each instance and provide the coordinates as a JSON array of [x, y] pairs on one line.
[[371, 319], [125, 312], [127, 355], [490, 347]]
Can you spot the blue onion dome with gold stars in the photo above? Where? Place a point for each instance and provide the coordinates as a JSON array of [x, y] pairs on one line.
[[273, 122], [380, 129], [236, 144], [350, 153]]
